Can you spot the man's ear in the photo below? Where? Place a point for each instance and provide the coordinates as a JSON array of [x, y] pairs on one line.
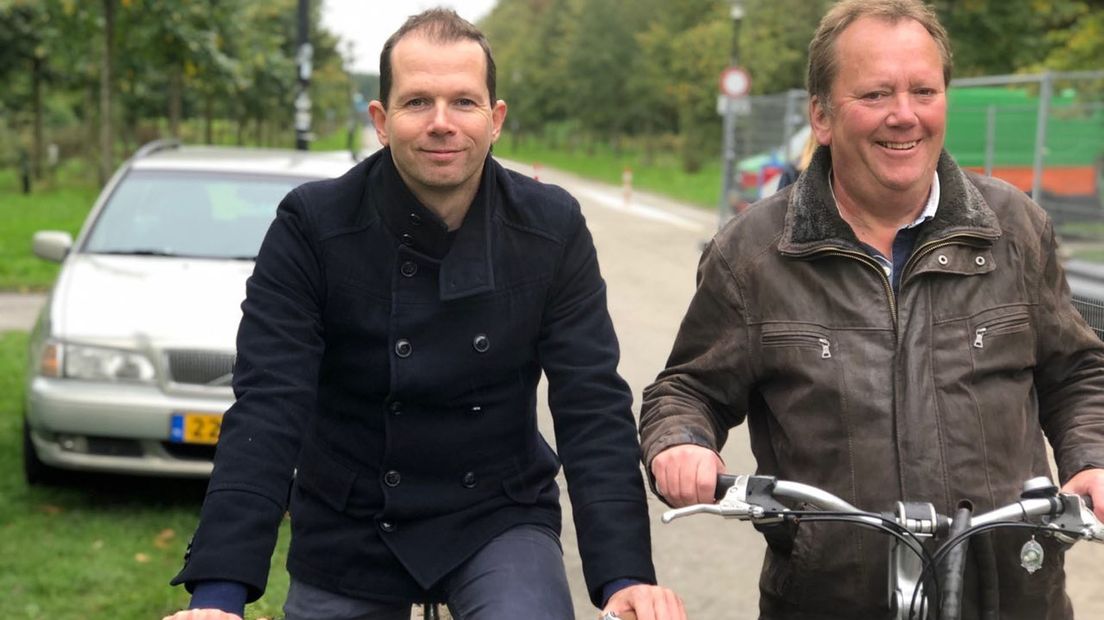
[[379, 119], [498, 116], [821, 121]]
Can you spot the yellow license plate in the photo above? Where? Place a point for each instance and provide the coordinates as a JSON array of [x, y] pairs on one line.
[[193, 427]]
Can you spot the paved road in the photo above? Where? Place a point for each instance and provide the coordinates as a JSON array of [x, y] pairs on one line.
[[648, 252], [18, 310]]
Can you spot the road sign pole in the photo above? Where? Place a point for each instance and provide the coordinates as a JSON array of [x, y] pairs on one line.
[[729, 188]]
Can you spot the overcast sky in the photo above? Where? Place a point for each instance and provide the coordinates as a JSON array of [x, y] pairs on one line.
[[368, 23]]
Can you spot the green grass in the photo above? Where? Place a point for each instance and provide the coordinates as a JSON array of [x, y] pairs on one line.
[[663, 176], [100, 547], [60, 206]]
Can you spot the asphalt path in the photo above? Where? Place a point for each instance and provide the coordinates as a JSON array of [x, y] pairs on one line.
[[648, 249]]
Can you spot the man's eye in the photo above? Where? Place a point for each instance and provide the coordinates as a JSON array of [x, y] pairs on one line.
[[417, 103], [875, 96], [466, 103]]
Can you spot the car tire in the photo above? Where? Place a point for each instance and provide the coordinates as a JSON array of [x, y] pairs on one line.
[[34, 470]]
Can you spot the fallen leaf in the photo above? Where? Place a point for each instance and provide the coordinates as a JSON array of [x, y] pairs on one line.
[[141, 558], [51, 509], [97, 545], [164, 539]]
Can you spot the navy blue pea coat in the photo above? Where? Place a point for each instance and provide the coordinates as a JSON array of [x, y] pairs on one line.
[[386, 392]]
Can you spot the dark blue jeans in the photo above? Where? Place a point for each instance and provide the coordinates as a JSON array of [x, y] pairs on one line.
[[519, 574]]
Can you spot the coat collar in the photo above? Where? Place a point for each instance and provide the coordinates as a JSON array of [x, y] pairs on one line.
[[465, 256], [813, 222]]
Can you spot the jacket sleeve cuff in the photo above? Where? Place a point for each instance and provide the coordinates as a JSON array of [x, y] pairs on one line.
[[614, 587], [227, 596]]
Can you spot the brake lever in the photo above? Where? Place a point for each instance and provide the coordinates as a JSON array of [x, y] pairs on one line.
[[1077, 521], [731, 506]]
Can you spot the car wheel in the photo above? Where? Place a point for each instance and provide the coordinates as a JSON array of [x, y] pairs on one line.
[[34, 470]]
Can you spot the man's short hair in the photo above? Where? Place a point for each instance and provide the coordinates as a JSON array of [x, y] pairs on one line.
[[440, 26], [823, 63]]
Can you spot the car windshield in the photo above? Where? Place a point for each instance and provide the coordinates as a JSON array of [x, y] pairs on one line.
[[193, 214]]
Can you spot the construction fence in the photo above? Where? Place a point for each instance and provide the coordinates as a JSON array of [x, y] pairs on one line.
[[1043, 133]]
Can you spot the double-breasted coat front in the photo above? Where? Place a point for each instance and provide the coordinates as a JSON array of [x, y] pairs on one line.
[[386, 391]]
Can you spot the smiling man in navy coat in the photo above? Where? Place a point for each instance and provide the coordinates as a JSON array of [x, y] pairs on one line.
[[393, 334]]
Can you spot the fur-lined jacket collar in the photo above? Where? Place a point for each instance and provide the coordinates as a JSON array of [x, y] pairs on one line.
[[813, 222]]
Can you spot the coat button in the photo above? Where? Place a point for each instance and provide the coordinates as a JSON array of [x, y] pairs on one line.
[[407, 239], [469, 480], [476, 409], [403, 348], [409, 268], [481, 344], [395, 407], [387, 526], [415, 219], [942, 258], [980, 261], [392, 478]]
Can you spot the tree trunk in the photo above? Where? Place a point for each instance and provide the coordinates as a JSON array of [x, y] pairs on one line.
[[106, 135], [209, 119], [36, 102], [175, 80]]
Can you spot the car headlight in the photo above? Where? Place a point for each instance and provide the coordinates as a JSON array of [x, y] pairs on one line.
[[75, 361]]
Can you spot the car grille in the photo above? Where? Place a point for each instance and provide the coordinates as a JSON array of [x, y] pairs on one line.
[[1092, 310], [110, 446], [209, 368]]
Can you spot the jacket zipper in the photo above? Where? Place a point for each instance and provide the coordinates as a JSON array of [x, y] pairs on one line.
[[800, 338], [887, 286], [996, 327]]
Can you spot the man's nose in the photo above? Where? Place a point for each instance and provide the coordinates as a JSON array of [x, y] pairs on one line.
[[902, 110], [442, 120]]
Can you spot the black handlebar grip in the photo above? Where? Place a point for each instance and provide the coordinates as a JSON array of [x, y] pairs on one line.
[[724, 483]]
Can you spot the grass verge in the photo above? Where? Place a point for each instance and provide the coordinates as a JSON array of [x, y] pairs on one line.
[[663, 175], [61, 205], [98, 547]]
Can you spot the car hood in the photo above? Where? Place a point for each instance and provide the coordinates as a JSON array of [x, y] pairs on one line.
[[163, 302]]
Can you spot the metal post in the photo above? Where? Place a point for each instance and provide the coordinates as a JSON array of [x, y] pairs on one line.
[[1046, 88], [789, 123], [730, 189], [302, 97], [990, 138]]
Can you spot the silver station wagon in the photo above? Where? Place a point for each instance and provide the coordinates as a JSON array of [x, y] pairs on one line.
[[131, 358]]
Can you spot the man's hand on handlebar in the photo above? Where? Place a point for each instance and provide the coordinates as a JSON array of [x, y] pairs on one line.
[[644, 602], [1088, 482], [687, 474]]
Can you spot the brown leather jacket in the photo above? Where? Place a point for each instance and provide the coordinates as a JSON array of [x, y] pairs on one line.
[[936, 393]]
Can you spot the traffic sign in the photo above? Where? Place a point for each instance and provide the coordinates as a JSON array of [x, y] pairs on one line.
[[735, 82]]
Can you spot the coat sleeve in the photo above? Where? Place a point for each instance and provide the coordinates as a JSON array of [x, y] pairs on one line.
[[279, 346], [702, 392], [592, 414], [1069, 375]]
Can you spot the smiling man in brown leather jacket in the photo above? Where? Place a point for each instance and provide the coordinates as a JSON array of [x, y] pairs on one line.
[[890, 327]]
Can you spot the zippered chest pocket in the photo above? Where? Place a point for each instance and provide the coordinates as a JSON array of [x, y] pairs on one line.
[[1001, 343], [988, 329], [804, 339]]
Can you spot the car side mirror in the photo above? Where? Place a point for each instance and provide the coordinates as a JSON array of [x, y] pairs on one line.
[[52, 245]]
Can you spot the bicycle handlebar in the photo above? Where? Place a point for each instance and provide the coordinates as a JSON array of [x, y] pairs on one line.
[[757, 498]]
